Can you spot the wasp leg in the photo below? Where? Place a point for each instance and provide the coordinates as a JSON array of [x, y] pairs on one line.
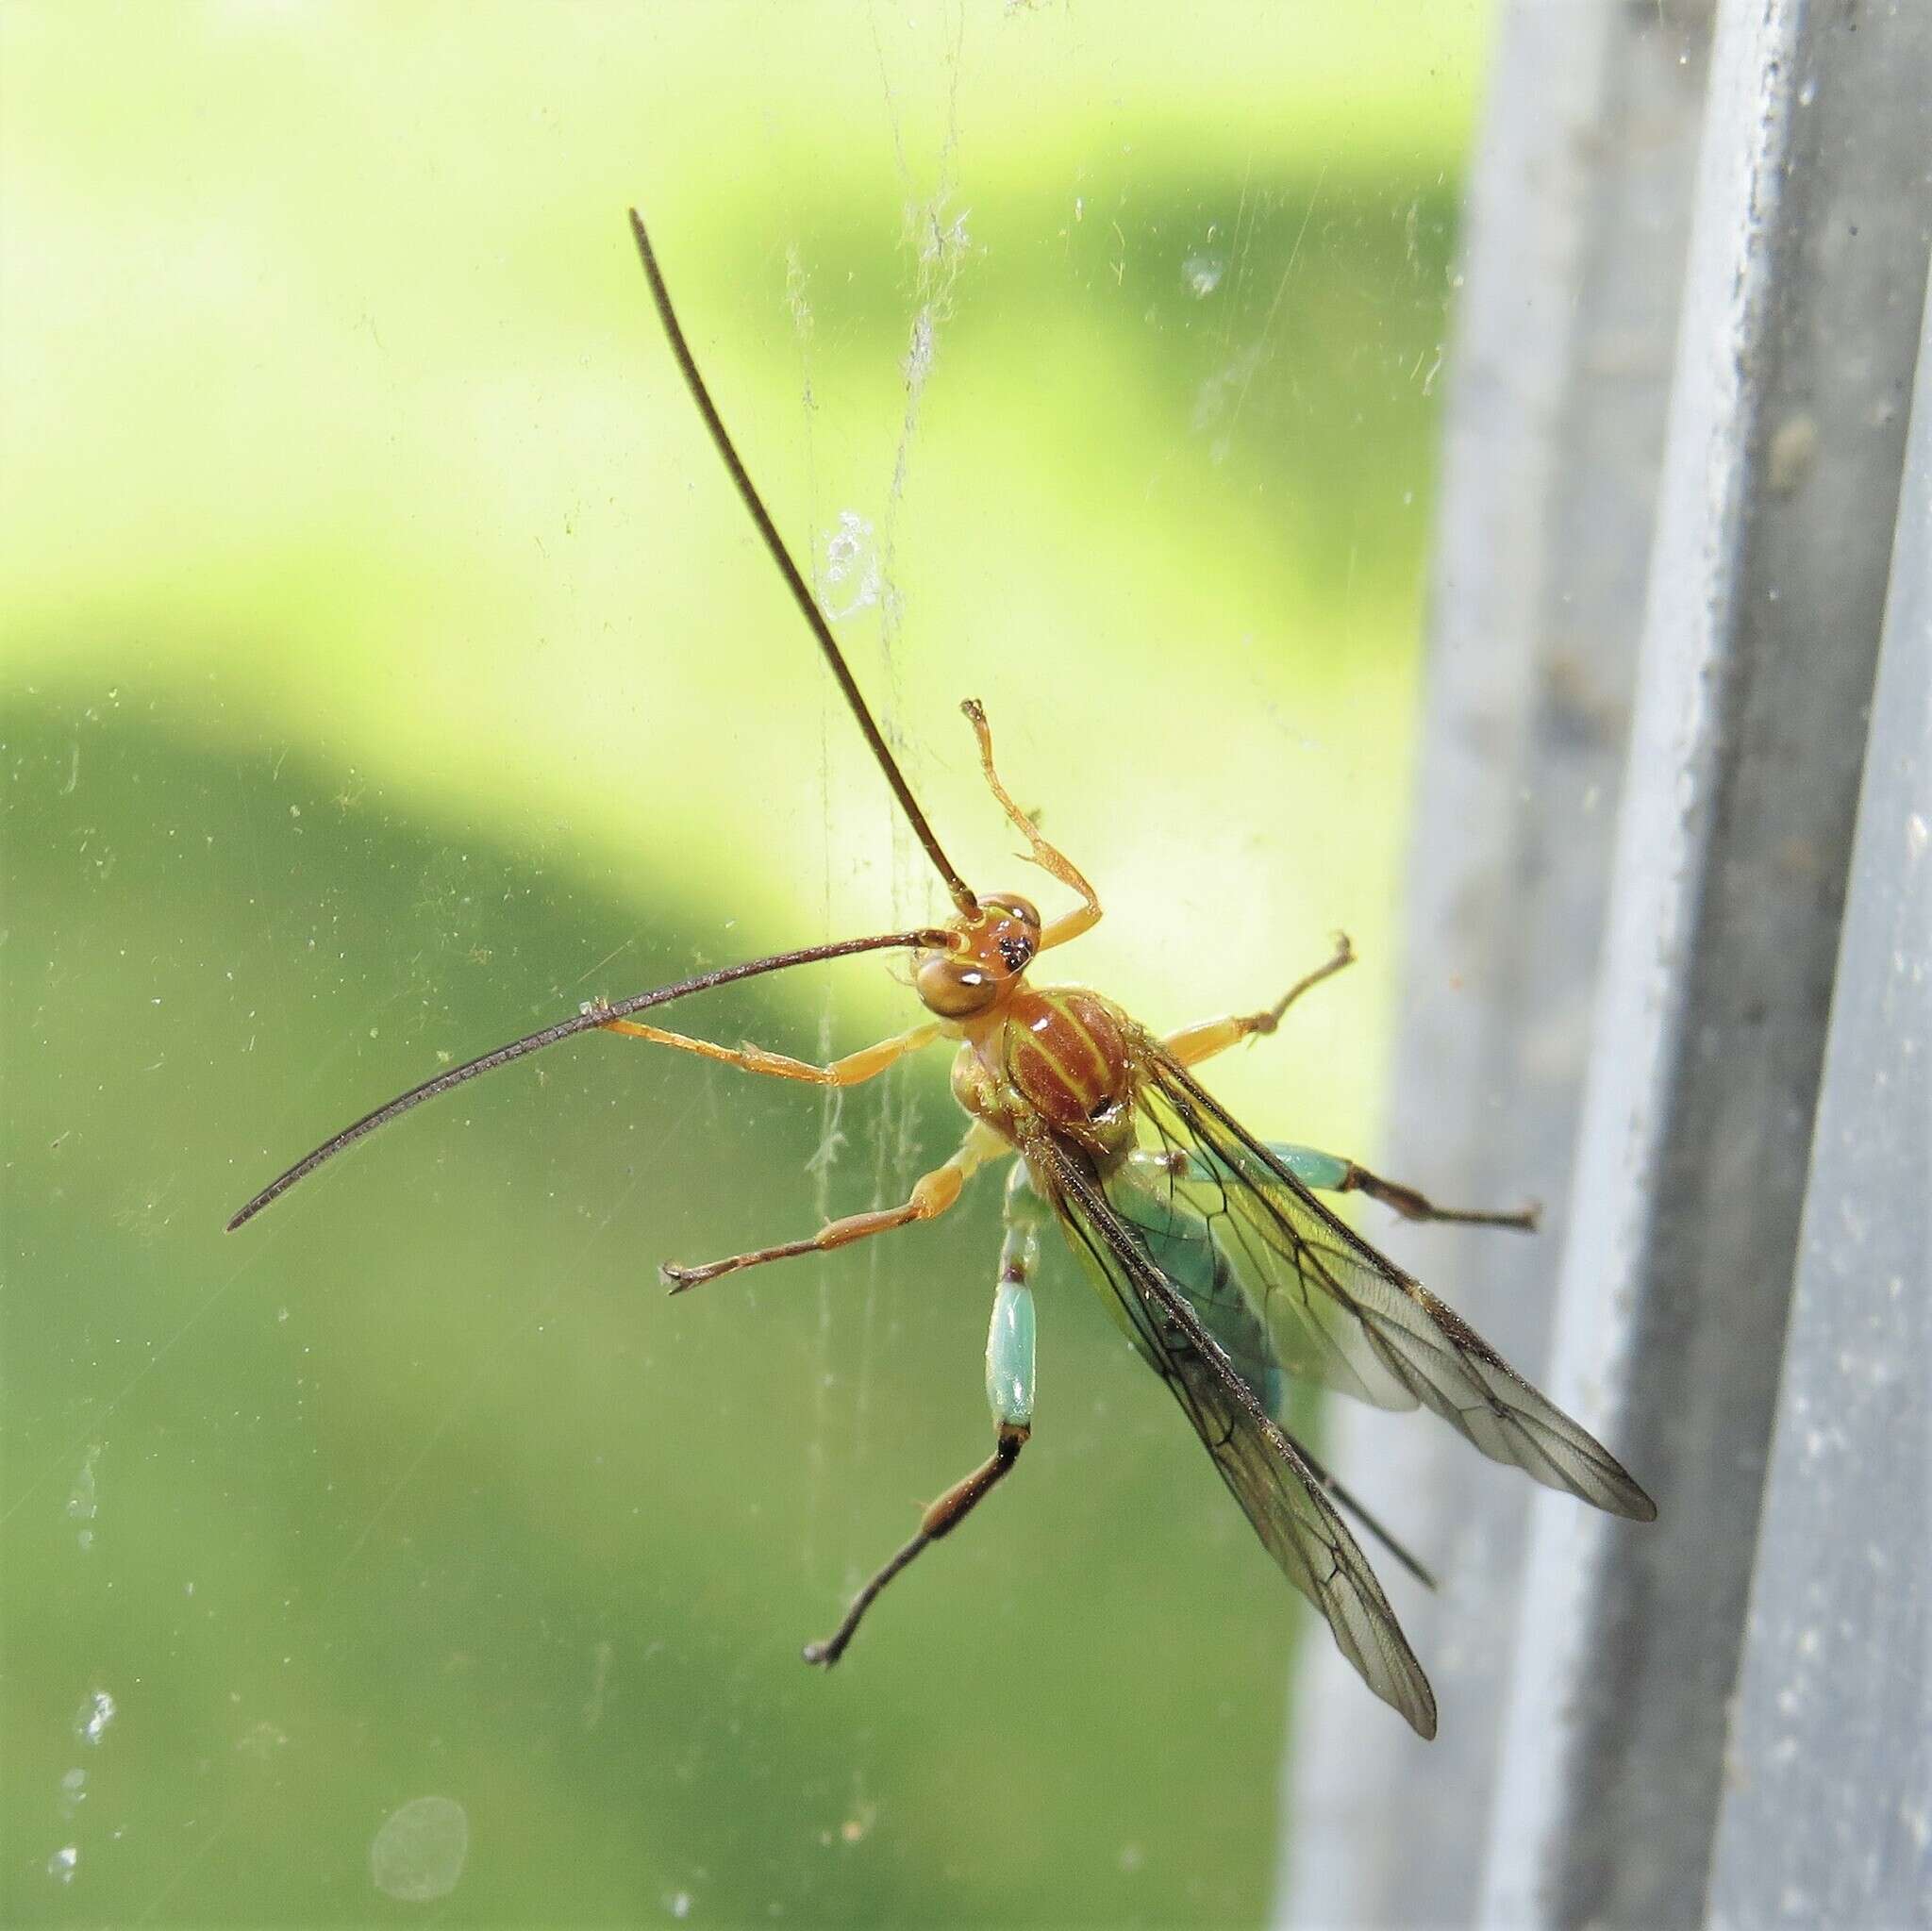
[[867, 1063], [1194, 1043], [1049, 857], [1009, 1394], [1332, 1175], [932, 1195]]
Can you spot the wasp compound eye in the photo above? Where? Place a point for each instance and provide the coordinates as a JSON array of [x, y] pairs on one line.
[[953, 988]]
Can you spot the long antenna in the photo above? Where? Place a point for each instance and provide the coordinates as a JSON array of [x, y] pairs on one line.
[[592, 1016], [801, 595]]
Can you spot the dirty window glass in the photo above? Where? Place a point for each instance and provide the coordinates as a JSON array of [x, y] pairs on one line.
[[390, 669]]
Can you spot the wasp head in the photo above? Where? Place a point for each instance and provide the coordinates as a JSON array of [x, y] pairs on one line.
[[989, 952]]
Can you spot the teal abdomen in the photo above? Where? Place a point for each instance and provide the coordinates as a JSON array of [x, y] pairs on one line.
[[1181, 1242]]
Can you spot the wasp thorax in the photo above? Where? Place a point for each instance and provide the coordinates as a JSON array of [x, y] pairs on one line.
[[987, 954]]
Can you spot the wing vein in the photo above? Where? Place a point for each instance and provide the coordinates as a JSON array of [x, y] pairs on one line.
[[1263, 1467]]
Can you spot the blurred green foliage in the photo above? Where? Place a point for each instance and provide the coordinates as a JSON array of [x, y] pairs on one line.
[[387, 670]]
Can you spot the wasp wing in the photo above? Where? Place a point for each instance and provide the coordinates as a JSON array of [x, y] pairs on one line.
[[1266, 1471], [1339, 1313], [1147, 1193]]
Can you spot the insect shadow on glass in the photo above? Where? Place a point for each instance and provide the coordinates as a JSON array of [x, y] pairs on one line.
[[1210, 1248]]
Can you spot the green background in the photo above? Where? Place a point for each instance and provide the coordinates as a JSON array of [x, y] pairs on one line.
[[388, 668]]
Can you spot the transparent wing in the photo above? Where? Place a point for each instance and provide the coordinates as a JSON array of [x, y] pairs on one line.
[[1266, 1471], [1339, 1313]]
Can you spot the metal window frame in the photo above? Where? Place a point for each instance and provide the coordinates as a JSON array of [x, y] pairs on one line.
[[1626, 938]]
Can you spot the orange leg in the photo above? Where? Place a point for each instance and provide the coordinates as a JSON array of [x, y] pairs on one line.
[[1330, 1172], [1049, 857], [932, 1195], [1194, 1043], [868, 1063]]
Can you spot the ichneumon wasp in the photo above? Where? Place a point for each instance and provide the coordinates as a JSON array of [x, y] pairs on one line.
[[1231, 1278]]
